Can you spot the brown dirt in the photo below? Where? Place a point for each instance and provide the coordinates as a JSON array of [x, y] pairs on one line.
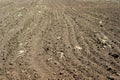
[[59, 40]]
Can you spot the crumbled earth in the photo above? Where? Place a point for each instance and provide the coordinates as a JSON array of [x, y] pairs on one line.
[[59, 40]]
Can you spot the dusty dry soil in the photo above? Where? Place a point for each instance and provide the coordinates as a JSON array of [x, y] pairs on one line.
[[59, 40]]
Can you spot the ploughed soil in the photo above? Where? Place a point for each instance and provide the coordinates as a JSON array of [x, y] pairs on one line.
[[59, 40]]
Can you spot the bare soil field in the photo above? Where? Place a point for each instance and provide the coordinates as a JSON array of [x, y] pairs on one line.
[[59, 40]]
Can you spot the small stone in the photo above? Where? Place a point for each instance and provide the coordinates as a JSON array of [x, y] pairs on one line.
[[22, 71], [78, 47], [103, 41], [105, 37], [109, 45], [100, 22], [59, 37], [49, 59], [61, 54], [19, 15], [21, 51], [8, 72], [23, 8], [54, 73], [39, 11], [21, 44]]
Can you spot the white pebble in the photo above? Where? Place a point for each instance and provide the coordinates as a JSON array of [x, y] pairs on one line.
[[61, 54], [21, 51], [103, 41], [78, 47], [100, 22], [49, 59], [39, 11], [59, 37]]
